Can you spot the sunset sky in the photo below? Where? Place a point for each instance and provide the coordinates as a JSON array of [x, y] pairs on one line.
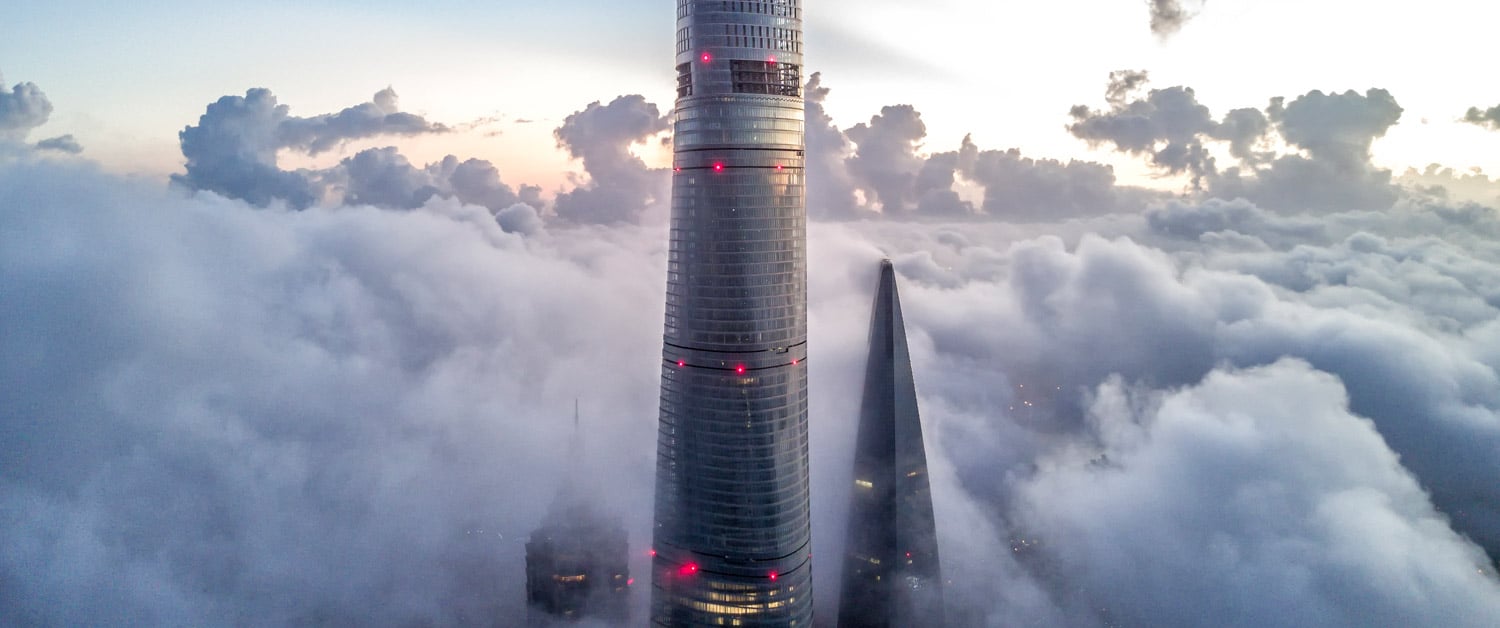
[[125, 79]]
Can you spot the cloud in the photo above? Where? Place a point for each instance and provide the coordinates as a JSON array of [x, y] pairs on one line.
[[61, 143], [1487, 118], [22, 108], [876, 169], [830, 187], [216, 415], [233, 149], [1177, 133], [1257, 495], [1168, 16], [620, 186], [1139, 411]]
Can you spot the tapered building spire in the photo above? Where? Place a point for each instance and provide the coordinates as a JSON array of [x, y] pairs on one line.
[[892, 576]]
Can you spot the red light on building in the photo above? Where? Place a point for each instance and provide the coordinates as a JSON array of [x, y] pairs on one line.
[[794, 362], [707, 57], [771, 59], [778, 166], [718, 166], [681, 363], [653, 553], [630, 582], [773, 576], [740, 369], [688, 569]]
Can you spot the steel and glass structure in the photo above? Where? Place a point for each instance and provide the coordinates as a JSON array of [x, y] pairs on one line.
[[892, 575], [732, 526]]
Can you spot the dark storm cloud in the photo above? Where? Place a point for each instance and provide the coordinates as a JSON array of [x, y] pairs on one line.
[[22, 108], [232, 150], [1487, 118], [61, 143], [620, 186]]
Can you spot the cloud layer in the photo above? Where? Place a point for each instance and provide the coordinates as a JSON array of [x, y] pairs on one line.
[[218, 409]]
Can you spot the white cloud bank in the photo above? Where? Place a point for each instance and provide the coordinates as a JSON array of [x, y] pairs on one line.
[[1203, 414]]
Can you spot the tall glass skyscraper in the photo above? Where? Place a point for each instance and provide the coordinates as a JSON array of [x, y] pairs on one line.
[[732, 515]]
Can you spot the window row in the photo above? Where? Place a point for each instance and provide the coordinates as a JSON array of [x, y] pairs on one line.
[[753, 124], [707, 137], [738, 111]]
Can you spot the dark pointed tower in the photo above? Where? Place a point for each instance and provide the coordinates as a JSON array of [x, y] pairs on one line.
[[892, 576]]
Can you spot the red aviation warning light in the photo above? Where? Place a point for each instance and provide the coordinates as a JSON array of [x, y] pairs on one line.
[[681, 363], [706, 57], [718, 166], [773, 576], [688, 569], [740, 370]]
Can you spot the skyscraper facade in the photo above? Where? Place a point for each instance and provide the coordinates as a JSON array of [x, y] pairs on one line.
[[732, 530], [892, 576]]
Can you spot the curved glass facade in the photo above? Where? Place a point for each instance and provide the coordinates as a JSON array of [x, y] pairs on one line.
[[732, 514]]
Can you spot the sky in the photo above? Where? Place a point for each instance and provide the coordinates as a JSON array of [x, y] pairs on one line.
[[125, 80], [297, 300]]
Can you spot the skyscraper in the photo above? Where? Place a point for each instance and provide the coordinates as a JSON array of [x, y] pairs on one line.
[[577, 562], [732, 515], [892, 576]]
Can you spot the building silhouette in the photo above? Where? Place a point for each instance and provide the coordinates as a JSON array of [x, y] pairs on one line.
[[892, 575], [732, 525], [577, 562]]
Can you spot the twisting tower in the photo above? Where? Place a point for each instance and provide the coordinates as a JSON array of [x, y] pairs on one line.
[[732, 515]]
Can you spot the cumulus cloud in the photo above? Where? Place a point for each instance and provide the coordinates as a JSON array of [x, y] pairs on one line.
[[830, 189], [878, 169], [233, 149], [620, 186], [1168, 16], [233, 152], [1487, 118], [22, 108], [1335, 131]]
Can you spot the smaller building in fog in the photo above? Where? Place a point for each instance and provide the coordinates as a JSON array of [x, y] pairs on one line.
[[577, 562]]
